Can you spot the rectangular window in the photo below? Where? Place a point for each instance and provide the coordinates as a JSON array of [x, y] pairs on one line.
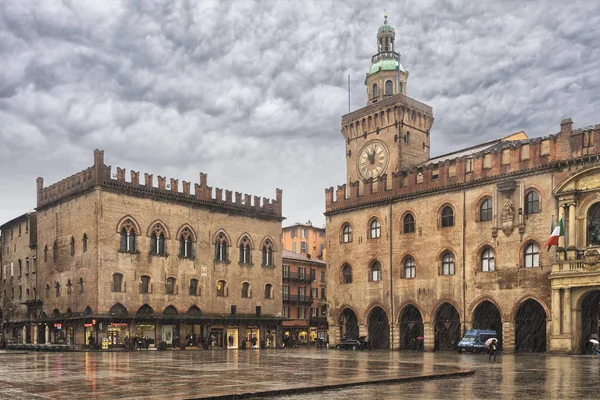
[[525, 152], [505, 157], [314, 312], [468, 165], [451, 170], [301, 293], [301, 312], [435, 174], [304, 233], [322, 276], [34, 265], [301, 273], [294, 232], [27, 266], [313, 274], [285, 290], [545, 148], [487, 161], [286, 271], [314, 293], [12, 269], [19, 229], [286, 312], [303, 247], [27, 226], [294, 247]]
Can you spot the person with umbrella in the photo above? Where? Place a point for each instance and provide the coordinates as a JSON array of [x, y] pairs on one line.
[[492, 344], [595, 347]]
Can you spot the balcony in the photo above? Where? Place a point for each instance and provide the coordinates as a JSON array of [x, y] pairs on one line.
[[384, 55], [297, 298], [295, 276]]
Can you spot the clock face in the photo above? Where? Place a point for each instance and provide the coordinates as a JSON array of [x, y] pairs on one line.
[[372, 160]]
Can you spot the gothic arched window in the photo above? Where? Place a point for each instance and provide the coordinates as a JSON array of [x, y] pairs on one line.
[[117, 282], [221, 246], [128, 234], [532, 202], [157, 241], [487, 260], [245, 290], [245, 254], [448, 264], [267, 254], [485, 210], [346, 274], [375, 271], [186, 244], [409, 223], [374, 229], [346, 233], [447, 217]]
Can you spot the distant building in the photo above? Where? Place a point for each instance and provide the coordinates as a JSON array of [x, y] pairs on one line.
[[304, 293], [305, 239], [105, 259]]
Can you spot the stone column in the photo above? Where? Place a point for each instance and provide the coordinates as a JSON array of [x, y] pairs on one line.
[[567, 311], [182, 335], [24, 333], [508, 336], [363, 330], [47, 334], [334, 335], [556, 319], [394, 337], [35, 334], [571, 238], [429, 336]]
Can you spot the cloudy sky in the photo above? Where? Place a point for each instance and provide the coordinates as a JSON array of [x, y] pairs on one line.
[[252, 92]]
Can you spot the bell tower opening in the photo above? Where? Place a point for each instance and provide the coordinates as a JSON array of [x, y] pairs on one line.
[[386, 76]]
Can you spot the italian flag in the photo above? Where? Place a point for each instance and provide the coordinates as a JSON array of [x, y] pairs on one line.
[[557, 232]]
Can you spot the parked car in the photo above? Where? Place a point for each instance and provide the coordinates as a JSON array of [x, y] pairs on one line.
[[474, 340], [353, 344]]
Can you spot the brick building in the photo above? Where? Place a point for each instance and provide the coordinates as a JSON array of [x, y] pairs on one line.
[[118, 258], [305, 239], [422, 247], [304, 296]]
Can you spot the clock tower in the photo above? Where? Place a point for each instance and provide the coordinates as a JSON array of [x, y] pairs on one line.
[[391, 133]]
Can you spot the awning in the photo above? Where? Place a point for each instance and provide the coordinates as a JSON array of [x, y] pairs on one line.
[[297, 323]]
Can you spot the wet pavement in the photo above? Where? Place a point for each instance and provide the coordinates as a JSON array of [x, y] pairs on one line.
[[198, 374]]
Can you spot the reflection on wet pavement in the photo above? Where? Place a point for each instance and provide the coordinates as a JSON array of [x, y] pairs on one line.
[[523, 376], [196, 374]]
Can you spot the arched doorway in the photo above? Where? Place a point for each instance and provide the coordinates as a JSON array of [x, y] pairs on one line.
[[348, 325], [411, 328], [530, 327], [379, 329], [487, 316], [590, 320], [447, 328]]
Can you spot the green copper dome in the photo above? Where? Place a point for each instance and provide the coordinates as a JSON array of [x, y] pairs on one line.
[[386, 27], [385, 65]]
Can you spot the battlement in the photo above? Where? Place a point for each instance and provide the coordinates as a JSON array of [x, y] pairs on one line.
[[502, 158], [103, 176]]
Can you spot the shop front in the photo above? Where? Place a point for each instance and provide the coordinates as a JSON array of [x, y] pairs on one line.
[[118, 335], [147, 331], [252, 337], [215, 337], [295, 332], [232, 337]]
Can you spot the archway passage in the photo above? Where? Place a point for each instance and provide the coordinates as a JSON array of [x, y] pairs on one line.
[[590, 320], [530, 328], [348, 325], [447, 328], [411, 329], [487, 316], [379, 329], [118, 310]]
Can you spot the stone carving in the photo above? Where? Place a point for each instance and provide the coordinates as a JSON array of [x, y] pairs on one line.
[[508, 210], [591, 260]]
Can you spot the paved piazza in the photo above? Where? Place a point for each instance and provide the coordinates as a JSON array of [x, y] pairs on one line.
[[201, 374]]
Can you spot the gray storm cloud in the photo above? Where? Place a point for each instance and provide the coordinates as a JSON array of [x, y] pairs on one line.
[[253, 92]]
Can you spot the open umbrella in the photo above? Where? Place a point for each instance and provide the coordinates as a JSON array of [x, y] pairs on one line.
[[594, 341], [489, 341]]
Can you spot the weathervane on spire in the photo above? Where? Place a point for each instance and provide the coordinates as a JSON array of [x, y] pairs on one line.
[[385, 15]]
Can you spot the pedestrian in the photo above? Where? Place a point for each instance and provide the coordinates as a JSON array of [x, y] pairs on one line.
[[492, 350]]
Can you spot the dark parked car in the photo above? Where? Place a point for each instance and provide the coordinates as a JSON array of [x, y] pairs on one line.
[[353, 344]]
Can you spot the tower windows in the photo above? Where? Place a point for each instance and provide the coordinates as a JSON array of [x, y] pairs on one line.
[[375, 271], [447, 217], [409, 268], [157, 241], [346, 233], [346, 274], [375, 91], [389, 87], [532, 202], [409, 223], [485, 210], [221, 246], [448, 263], [267, 254], [487, 260], [245, 254], [532, 256]]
